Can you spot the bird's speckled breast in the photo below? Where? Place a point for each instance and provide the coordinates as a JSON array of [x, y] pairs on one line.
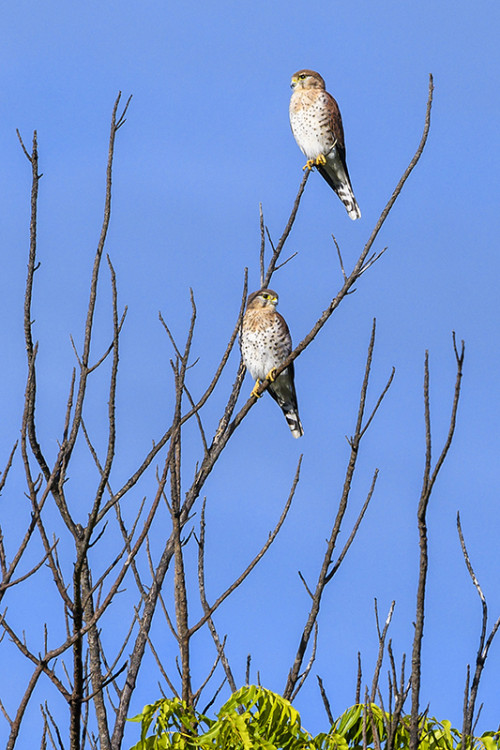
[[310, 121], [265, 342]]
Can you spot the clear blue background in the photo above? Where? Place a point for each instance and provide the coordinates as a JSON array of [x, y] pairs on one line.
[[207, 138]]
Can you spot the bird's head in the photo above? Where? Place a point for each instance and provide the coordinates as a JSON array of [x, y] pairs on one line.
[[262, 298], [307, 79]]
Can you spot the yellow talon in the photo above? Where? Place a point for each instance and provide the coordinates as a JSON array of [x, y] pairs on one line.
[[271, 375], [318, 161], [254, 390]]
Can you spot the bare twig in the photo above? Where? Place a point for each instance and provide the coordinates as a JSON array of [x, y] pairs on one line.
[[337, 246], [279, 247], [3, 477], [262, 245], [381, 646], [482, 651], [311, 661], [23, 704], [324, 698], [46, 713], [400, 694], [358, 681], [354, 530], [214, 697], [31, 572]]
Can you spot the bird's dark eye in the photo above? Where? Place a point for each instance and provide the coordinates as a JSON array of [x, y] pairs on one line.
[[302, 75], [266, 296]]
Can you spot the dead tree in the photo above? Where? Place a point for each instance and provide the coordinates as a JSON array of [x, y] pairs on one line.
[[97, 682]]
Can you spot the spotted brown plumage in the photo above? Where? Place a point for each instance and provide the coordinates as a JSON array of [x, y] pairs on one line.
[[265, 344], [317, 128]]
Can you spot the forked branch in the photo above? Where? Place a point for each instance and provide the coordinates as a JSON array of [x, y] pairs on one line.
[[328, 568], [430, 476]]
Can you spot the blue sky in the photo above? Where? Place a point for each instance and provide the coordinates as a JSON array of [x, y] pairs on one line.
[[206, 140]]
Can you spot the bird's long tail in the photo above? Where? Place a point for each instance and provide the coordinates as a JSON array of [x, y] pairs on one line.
[[283, 392], [343, 189], [293, 419]]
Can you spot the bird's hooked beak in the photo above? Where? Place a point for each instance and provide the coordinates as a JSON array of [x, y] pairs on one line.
[[293, 82]]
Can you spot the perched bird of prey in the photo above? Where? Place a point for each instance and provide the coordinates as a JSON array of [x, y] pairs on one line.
[[317, 128], [265, 344]]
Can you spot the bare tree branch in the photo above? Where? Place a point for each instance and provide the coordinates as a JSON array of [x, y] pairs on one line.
[[427, 486], [311, 661], [358, 681], [31, 572], [381, 641], [324, 698], [279, 247], [482, 652], [209, 610], [262, 245]]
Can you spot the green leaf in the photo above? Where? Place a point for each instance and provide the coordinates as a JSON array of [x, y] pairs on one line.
[[488, 741]]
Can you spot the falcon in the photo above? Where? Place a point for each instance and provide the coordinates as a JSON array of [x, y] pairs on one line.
[[265, 343], [317, 128]]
